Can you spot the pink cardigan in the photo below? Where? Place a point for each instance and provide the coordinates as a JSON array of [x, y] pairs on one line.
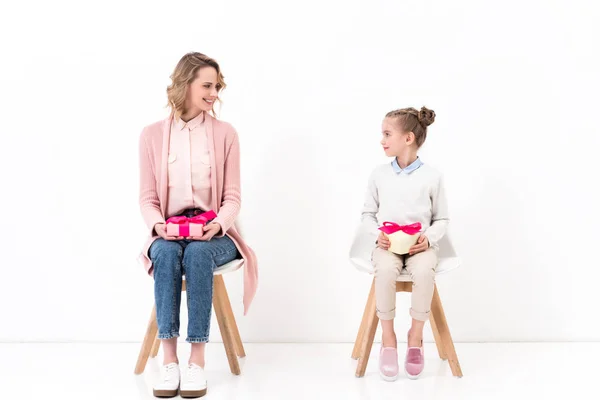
[[225, 180]]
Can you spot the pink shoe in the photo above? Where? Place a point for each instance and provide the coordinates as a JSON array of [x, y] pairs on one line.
[[388, 363], [414, 362]]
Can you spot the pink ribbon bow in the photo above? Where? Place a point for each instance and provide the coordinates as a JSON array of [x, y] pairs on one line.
[[391, 227], [208, 215]]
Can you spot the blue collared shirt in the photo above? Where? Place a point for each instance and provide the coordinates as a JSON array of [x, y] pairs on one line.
[[410, 168]]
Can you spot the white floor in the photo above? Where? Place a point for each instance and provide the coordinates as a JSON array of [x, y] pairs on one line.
[[304, 371]]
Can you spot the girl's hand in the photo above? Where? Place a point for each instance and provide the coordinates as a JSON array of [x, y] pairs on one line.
[[421, 245], [383, 242], [161, 230]]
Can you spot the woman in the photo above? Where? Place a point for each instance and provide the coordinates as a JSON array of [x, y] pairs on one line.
[[190, 164]]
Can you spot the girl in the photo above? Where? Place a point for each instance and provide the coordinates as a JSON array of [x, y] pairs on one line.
[[189, 164], [405, 191]]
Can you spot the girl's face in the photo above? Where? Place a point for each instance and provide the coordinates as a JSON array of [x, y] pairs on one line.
[[394, 141], [203, 91]]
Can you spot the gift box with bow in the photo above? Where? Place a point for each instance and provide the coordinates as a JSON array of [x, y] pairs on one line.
[[183, 226], [402, 237]]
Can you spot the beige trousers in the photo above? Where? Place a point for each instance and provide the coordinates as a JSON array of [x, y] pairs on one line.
[[420, 266]]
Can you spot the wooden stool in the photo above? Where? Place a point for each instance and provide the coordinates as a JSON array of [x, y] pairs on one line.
[[439, 326], [360, 256], [229, 330]]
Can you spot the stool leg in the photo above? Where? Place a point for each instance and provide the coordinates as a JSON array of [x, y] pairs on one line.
[[151, 332], [219, 298], [367, 339], [363, 324], [155, 347], [438, 339], [437, 312], [237, 340]]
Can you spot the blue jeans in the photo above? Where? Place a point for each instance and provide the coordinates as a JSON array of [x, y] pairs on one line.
[[196, 260]]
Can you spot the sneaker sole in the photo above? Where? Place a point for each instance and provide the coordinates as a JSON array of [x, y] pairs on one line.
[[165, 393], [413, 377], [388, 378], [188, 394]]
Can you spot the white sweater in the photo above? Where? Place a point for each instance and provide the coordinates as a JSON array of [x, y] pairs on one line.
[[406, 197]]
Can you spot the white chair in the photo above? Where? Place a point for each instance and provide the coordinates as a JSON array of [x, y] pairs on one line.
[[360, 255], [232, 341]]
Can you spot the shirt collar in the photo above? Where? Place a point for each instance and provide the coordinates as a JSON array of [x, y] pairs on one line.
[[192, 124], [410, 168]]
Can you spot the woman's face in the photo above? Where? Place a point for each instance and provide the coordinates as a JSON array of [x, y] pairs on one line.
[[204, 90]]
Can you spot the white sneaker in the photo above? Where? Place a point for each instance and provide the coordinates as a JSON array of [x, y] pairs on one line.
[[193, 383], [169, 381]]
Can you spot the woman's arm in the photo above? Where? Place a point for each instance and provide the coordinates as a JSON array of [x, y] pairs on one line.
[[231, 202], [149, 203]]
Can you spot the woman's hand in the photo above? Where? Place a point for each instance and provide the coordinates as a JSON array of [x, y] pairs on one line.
[[210, 230], [161, 230], [383, 242]]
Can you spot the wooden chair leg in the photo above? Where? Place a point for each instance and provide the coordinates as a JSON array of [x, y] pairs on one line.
[[225, 323], [438, 339], [151, 331], [155, 347], [363, 324], [437, 312], [237, 339], [367, 339]]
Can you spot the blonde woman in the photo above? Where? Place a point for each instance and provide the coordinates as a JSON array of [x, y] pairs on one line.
[[190, 164]]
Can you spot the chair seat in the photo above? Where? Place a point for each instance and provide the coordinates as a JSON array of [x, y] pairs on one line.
[[444, 265], [229, 267], [364, 243]]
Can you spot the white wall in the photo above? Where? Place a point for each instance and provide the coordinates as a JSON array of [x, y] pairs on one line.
[[515, 88]]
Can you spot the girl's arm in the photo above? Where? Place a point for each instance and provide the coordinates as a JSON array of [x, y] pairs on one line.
[[439, 219], [370, 208]]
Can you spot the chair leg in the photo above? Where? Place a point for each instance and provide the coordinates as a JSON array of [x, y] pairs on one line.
[[155, 347], [437, 312], [225, 323], [363, 324], [438, 339], [367, 339], [237, 339], [151, 332]]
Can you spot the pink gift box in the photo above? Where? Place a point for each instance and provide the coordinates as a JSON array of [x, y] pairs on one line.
[[184, 226]]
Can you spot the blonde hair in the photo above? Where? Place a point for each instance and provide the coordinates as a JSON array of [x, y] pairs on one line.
[[414, 121], [184, 74]]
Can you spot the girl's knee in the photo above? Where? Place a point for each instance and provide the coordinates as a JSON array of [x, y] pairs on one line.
[[385, 269], [423, 273]]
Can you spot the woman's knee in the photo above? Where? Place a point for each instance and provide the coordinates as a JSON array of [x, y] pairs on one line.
[[197, 248], [197, 254], [165, 252]]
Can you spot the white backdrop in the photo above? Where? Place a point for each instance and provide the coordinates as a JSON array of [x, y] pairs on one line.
[[515, 88]]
